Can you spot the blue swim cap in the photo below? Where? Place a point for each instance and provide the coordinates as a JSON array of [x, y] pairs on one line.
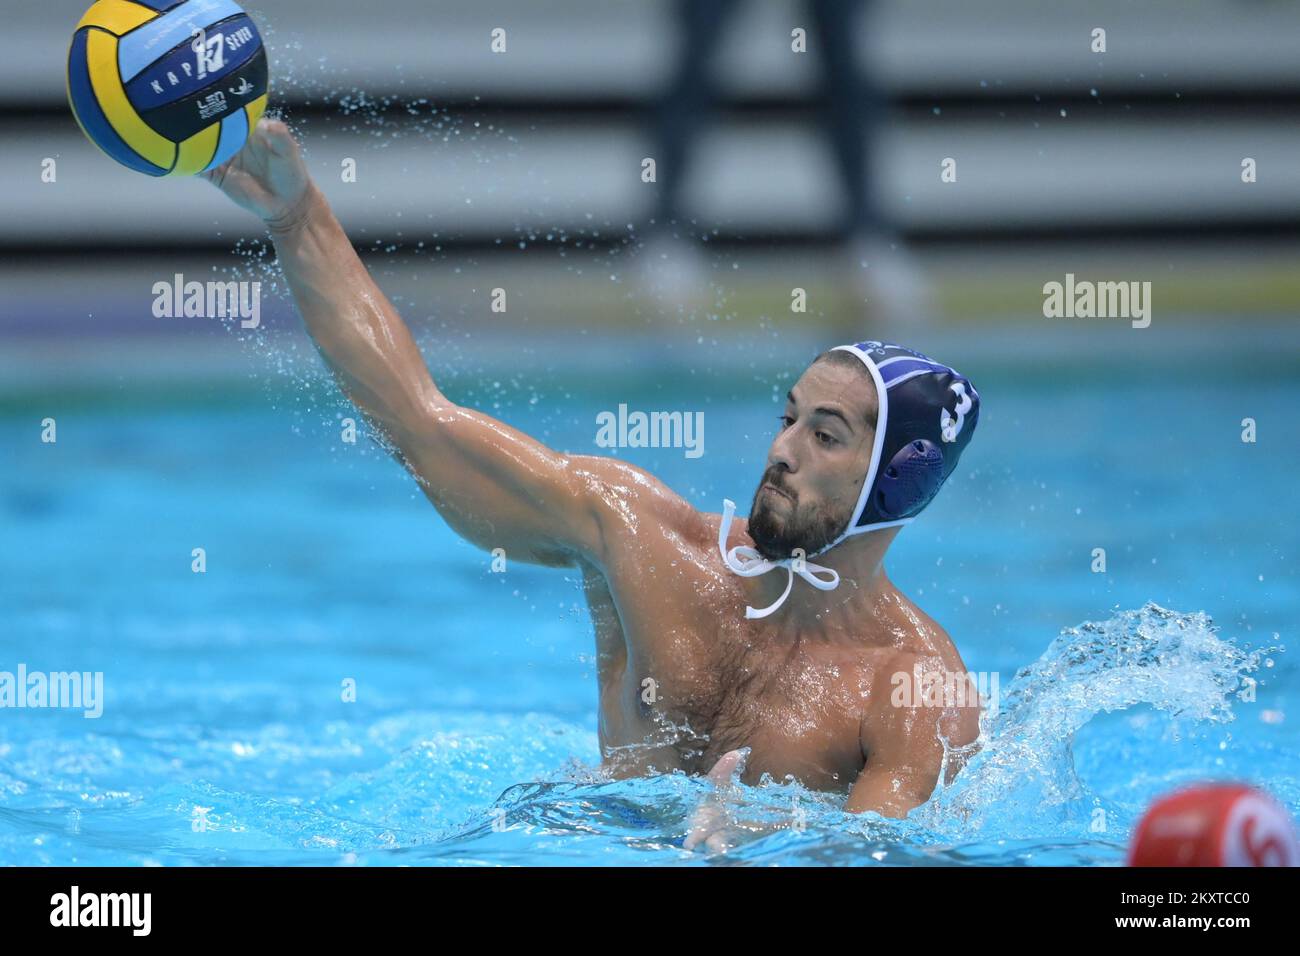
[[928, 413]]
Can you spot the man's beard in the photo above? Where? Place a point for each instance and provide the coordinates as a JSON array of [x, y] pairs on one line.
[[777, 535]]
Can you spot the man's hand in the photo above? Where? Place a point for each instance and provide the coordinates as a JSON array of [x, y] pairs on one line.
[[267, 177], [711, 822]]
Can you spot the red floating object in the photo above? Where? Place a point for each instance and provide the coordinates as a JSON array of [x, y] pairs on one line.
[[1215, 825]]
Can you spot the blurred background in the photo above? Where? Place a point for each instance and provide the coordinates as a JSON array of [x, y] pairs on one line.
[[522, 171], [528, 163]]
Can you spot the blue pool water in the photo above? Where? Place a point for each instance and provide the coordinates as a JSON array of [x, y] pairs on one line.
[[224, 738]]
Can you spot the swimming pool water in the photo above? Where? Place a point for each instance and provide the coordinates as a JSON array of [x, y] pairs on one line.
[[225, 738]]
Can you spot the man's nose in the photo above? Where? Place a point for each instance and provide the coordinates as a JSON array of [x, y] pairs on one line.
[[782, 453]]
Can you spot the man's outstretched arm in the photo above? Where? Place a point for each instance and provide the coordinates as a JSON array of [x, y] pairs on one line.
[[494, 485]]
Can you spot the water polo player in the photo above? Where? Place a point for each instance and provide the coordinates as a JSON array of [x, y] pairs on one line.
[[704, 646]]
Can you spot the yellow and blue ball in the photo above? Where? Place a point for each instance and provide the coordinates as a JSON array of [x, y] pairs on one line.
[[167, 87]]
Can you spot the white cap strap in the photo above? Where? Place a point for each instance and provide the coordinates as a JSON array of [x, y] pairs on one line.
[[748, 563]]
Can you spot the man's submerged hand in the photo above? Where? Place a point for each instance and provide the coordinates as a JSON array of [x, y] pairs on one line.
[[711, 824]]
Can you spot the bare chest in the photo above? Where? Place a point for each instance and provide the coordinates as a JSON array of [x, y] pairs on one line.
[[682, 684]]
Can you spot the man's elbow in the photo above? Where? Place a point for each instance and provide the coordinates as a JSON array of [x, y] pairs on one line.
[[893, 808], [893, 788]]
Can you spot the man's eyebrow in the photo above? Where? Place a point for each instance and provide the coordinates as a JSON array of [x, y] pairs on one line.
[[823, 410]]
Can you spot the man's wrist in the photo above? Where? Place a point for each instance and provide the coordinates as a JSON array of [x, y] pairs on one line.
[[295, 217]]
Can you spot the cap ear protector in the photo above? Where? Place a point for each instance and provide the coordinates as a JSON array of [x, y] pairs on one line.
[[910, 480]]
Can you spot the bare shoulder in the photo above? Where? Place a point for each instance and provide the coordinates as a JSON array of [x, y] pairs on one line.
[[625, 496], [922, 692], [928, 631]]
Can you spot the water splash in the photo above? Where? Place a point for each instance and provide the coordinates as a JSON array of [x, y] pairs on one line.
[[1024, 772], [1019, 799]]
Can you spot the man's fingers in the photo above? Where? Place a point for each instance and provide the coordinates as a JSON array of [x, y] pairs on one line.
[[719, 842], [709, 822], [704, 822], [217, 175], [277, 136], [729, 765]]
